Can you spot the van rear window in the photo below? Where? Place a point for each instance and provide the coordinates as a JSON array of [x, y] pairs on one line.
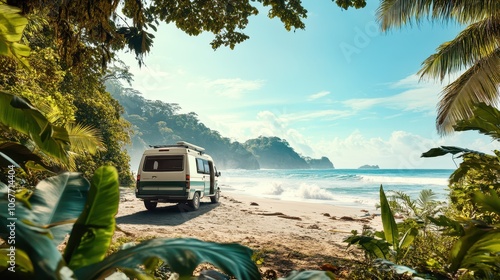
[[163, 163]]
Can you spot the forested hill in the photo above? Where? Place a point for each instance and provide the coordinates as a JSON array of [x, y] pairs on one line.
[[156, 122]]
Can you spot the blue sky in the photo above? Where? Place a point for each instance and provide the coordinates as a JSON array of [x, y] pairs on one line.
[[340, 88]]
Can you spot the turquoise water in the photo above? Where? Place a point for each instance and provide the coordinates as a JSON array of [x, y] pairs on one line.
[[342, 187]]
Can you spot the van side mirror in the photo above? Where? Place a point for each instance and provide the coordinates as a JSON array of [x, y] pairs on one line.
[[217, 174]]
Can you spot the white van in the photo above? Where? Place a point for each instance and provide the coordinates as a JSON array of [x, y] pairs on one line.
[[176, 173]]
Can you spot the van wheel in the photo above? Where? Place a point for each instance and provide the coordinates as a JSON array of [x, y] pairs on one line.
[[195, 202], [215, 198], [150, 205]]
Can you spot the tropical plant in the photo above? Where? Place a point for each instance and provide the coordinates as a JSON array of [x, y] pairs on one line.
[[12, 24], [477, 171], [476, 50], [419, 209], [474, 189], [62, 144], [35, 223], [391, 244], [477, 251]]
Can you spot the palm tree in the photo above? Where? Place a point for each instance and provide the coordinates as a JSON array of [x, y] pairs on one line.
[[475, 52]]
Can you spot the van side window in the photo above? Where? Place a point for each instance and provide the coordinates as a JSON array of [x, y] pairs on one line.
[[207, 167], [200, 166], [164, 163]]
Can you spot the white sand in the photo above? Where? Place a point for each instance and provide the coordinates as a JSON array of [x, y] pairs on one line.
[[289, 235]]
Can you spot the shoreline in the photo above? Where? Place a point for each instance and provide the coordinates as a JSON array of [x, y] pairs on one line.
[[288, 235]]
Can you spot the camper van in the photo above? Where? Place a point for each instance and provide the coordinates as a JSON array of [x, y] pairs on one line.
[[181, 173]]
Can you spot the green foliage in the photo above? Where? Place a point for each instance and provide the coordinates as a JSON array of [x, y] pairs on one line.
[[12, 24], [182, 255], [276, 153], [391, 233], [478, 172], [19, 114], [55, 201], [16, 154], [393, 242], [345, 4], [474, 199], [484, 120], [420, 210], [92, 232]]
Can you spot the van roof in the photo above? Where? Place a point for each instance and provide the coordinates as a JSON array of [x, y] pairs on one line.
[[181, 144]]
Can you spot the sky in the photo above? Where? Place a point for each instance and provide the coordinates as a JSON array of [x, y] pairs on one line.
[[341, 88]]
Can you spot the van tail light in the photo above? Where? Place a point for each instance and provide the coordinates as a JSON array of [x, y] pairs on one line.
[[188, 182], [138, 177]]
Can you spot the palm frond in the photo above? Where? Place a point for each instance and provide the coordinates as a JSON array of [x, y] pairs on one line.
[[84, 139], [478, 84], [396, 13], [425, 197], [472, 44]]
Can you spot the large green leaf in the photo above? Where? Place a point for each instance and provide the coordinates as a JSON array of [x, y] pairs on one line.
[[443, 150], [488, 202], [374, 247], [23, 266], [16, 154], [464, 244], [486, 251], [31, 239], [92, 232], [309, 275], [454, 228], [388, 221], [182, 255], [408, 238], [59, 199], [18, 113], [12, 25], [485, 119]]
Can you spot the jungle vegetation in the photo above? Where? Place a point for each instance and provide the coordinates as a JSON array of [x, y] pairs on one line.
[[57, 116]]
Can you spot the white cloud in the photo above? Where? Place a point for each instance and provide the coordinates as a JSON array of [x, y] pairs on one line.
[[416, 97], [401, 150], [318, 95], [233, 88]]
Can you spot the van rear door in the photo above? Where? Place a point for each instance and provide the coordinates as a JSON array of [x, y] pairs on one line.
[[163, 175]]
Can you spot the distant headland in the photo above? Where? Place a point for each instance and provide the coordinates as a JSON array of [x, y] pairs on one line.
[[367, 166]]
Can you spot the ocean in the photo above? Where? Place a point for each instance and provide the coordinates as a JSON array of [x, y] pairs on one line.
[[341, 187]]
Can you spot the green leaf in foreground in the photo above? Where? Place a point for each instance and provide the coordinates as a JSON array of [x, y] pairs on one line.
[[443, 150], [92, 232], [35, 241], [388, 222], [182, 255], [59, 200]]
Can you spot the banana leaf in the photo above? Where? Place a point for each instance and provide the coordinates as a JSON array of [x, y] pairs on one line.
[[35, 241], [182, 255], [19, 114], [443, 150], [91, 235], [309, 275], [478, 245], [375, 247], [488, 202], [57, 201]]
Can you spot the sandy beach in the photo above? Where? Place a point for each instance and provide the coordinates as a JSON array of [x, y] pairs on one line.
[[287, 235]]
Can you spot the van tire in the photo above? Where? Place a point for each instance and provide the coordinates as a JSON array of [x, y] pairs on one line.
[[195, 202], [215, 197], [150, 205]]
